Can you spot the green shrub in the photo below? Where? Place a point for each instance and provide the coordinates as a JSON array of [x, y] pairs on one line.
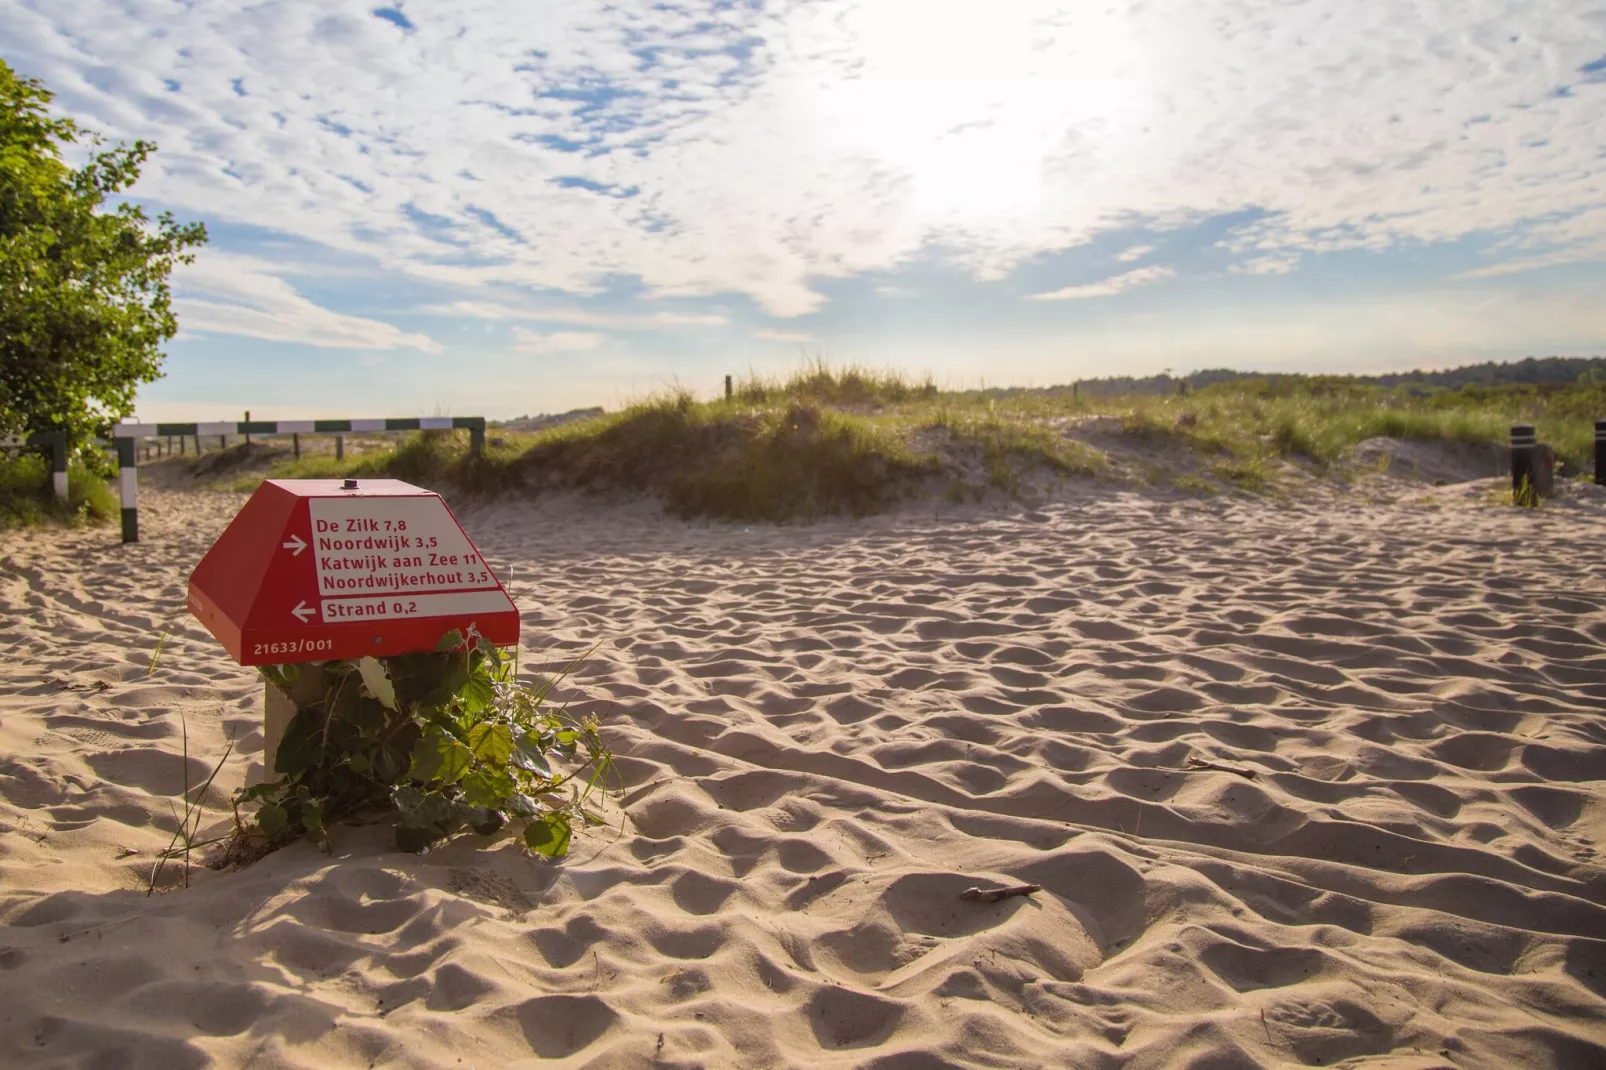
[[28, 496], [440, 742]]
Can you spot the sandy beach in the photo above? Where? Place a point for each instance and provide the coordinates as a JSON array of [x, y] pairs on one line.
[[826, 733]]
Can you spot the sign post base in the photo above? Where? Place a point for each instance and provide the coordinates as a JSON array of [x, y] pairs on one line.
[[278, 707]]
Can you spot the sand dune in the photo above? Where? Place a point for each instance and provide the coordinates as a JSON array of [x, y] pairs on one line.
[[828, 733]]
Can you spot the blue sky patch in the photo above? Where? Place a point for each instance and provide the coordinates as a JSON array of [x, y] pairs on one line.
[[394, 16]]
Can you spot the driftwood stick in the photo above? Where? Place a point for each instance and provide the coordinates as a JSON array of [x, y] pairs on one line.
[[993, 895], [1200, 763]]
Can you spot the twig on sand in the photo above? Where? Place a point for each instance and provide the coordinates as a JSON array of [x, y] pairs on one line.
[[993, 895], [1199, 763]]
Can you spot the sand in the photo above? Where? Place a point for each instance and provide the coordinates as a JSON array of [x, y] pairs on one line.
[[826, 734]]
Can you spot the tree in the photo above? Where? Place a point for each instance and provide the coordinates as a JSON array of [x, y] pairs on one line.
[[84, 300]]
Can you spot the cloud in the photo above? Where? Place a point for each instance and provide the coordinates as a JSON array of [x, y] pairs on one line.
[[894, 291], [557, 342], [759, 150], [1272, 264], [223, 293], [1136, 252], [1144, 276], [769, 334], [578, 316]]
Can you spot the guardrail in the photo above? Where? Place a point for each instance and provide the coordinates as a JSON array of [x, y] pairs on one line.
[[127, 437], [53, 442]]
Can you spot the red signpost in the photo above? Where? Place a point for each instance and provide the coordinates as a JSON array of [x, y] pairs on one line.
[[326, 569]]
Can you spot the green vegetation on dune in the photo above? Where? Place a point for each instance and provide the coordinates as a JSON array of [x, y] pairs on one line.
[[27, 497], [856, 442]]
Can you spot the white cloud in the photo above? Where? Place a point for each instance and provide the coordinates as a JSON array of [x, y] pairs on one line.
[[769, 334], [1271, 264], [894, 291], [222, 293], [854, 137], [1144, 276], [557, 342], [1136, 252], [578, 316]]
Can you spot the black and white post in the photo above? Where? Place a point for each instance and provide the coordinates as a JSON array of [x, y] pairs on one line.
[[128, 486], [1523, 440], [53, 443], [1600, 453]]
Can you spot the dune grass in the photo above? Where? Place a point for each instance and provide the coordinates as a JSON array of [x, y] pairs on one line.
[[857, 441], [27, 496]]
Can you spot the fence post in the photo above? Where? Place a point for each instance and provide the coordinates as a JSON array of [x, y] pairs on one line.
[[340, 447], [1600, 453], [247, 427], [1523, 440], [727, 388], [55, 443], [128, 487], [295, 441]]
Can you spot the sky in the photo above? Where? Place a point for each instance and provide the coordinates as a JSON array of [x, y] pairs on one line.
[[498, 207]]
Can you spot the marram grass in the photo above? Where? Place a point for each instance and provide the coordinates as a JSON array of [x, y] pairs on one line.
[[855, 442]]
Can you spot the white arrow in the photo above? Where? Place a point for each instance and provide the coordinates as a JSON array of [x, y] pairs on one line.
[[301, 611], [295, 546]]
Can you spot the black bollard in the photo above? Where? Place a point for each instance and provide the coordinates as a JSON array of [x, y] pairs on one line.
[[1600, 453], [727, 388], [340, 447], [1522, 465], [248, 429], [295, 441]]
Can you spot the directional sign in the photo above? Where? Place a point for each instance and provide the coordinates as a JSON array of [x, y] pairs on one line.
[[315, 570]]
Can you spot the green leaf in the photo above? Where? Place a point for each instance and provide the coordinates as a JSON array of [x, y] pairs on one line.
[[367, 717], [358, 762], [493, 655], [272, 819], [452, 640], [491, 743], [312, 819], [300, 747], [481, 819], [477, 692], [528, 754], [521, 805], [549, 835], [258, 792], [280, 676], [407, 800], [437, 757], [389, 764], [378, 682], [435, 810], [487, 787]]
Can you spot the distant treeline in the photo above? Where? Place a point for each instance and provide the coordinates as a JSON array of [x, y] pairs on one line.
[[1536, 371]]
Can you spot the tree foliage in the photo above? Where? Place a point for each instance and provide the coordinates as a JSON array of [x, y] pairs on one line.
[[84, 299]]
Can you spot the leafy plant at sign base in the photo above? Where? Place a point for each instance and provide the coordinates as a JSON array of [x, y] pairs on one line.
[[444, 741]]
